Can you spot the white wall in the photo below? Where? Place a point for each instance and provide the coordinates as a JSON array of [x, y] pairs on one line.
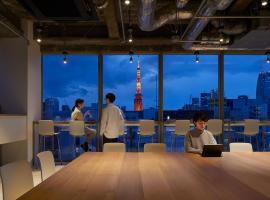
[[34, 87], [20, 90], [13, 76]]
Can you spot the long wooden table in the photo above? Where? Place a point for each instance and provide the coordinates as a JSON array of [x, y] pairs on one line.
[[159, 176]]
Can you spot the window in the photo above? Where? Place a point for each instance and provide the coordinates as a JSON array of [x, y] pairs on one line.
[[189, 87], [62, 85], [135, 89], [247, 93]]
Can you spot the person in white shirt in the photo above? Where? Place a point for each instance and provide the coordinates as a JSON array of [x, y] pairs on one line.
[[198, 137], [78, 115], [112, 121]]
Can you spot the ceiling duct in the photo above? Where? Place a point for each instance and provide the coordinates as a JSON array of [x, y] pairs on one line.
[[230, 27], [181, 3], [197, 25], [149, 20]]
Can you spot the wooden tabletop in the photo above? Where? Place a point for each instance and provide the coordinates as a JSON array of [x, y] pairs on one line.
[[159, 176]]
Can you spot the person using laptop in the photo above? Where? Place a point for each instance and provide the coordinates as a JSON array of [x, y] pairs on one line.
[[198, 136]]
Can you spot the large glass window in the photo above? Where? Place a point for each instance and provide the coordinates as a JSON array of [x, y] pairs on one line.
[[135, 88], [63, 83], [189, 87], [247, 94]]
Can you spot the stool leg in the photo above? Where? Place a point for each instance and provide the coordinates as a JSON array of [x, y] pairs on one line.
[[74, 146], [59, 149], [44, 143], [139, 143], [257, 142]]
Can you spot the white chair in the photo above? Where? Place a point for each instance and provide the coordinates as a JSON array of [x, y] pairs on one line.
[[147, 128], [181, 128], [240, 147], [46, 129], [114, 147], [155, 147], [215, 127], [76, 130], [47, 164], [17, 179], [251, 129]]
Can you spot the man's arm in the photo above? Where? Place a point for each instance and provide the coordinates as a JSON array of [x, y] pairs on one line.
[[188, 145], [104, 119]]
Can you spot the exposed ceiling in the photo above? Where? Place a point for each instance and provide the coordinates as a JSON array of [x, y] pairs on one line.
[[156, 25]]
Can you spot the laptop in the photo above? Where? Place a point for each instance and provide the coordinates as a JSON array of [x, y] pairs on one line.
[[212, 150]]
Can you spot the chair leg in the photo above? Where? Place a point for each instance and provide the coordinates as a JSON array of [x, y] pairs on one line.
[[152, 138], [59, 149]]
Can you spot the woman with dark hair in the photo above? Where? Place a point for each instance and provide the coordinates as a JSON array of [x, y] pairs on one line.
[[78, 115], [198, 137]]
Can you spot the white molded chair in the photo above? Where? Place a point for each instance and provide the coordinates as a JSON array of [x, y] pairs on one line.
[[17, 179], [240, 147], [114, 147], [155, 147], [47, 164], [251, 129], [46, 129], [76, 130], [215, 127], [181, 128], [147, 128]]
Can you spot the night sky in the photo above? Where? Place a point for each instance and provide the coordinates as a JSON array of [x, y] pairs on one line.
[[183, 78]]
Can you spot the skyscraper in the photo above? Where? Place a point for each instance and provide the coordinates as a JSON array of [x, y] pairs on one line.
[[138, 105], [263, 87], [51, 108]]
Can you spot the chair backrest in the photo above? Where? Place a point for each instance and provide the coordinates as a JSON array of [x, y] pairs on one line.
[[251, 127], [114, 147], [155, 147], [182, 127], [47, 164], [17, 179], [45, 127], [147, 127], [240, 147], [77, 128], [215, 126]]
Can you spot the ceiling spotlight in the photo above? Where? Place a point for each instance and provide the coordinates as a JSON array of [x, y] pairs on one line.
[[130, 36], [39, 30], [267, 57], [264, 2], [196, 53], [221, 38], [65, 61], [130, 57], [39, 40], [127, 2], [130, 60]]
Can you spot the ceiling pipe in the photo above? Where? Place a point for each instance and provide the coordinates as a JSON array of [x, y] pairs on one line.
[[181, 3], [149, 20], [196, 26]]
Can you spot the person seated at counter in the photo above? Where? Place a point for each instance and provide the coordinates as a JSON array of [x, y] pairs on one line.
[[198, 136], [78, 115]]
